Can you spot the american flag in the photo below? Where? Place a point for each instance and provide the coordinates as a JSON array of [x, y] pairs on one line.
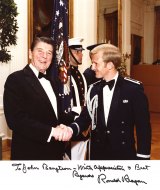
[[60, 35]]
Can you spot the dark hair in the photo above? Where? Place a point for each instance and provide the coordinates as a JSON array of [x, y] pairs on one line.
[[41, 39]]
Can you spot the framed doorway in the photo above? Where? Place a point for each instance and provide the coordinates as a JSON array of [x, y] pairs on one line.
[[136, 49], [111, 20]]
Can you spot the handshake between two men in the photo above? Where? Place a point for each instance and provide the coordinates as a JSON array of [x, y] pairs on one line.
[[62, 133]]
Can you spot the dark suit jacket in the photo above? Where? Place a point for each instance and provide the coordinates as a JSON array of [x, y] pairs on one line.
[[30, 116], [129, 110]]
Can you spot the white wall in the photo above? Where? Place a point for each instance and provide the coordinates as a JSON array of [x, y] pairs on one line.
[[19, 55], [85, 25], [149, 20]]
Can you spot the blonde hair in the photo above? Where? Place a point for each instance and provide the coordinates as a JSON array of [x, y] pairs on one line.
[[110, 52]]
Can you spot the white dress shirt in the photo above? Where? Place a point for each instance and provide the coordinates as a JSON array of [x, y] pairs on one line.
[[50, 93], [107, 98], [48, 89]]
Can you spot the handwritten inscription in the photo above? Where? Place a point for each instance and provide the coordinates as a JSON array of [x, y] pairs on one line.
[[81, 176], [85, 167], [102, 178], [57, 169], [104, 168], [120, 173], [24, 168], [138, 167]]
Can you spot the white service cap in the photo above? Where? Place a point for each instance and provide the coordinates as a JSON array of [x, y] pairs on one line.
[[76, 43]]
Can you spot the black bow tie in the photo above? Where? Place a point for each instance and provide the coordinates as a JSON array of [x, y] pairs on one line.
[[41, 75], [109, 83]]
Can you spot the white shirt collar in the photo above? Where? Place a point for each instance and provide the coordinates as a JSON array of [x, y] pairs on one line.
[[116, 77], [36, 72]]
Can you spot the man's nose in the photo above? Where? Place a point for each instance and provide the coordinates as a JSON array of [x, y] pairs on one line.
[[44, 54]]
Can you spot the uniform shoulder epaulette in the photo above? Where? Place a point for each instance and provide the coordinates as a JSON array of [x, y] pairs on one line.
[[132, 80]]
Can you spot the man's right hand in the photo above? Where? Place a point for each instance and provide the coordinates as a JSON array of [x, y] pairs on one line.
[[62, 133]]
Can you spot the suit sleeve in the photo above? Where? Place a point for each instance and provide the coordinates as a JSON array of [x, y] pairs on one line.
[[81, 123], [142, 122]]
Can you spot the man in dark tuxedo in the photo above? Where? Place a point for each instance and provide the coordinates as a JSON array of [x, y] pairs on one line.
[[117, 108], [32, 107]]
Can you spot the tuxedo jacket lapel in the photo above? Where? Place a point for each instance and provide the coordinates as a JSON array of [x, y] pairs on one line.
[[55, 89], [37, 87]]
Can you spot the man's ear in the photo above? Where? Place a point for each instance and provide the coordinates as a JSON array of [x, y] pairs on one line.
[[110, 65]]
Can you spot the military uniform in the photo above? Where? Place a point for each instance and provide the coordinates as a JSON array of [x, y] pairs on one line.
[[78, 147], [128, 111], [78, 89]]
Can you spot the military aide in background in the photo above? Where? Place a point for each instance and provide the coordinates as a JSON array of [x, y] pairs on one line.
[[79, 91]]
